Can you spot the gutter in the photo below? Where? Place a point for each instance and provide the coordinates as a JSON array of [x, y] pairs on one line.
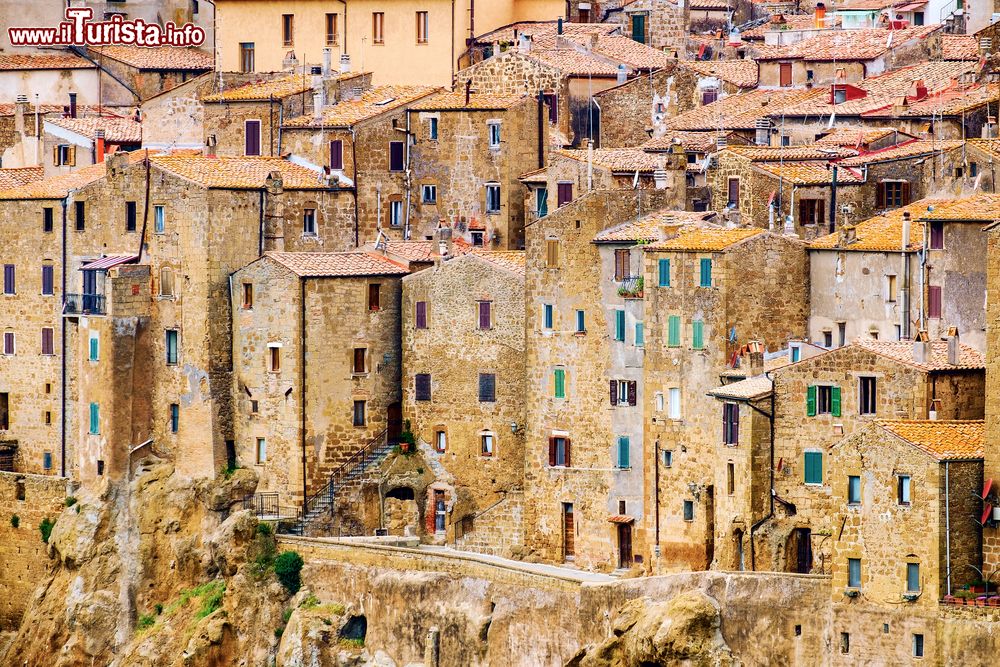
[[62, 330], [770, 512], [354, 166], [302, 396]]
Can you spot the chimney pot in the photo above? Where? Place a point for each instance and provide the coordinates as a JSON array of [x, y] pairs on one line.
[[921, 348], [72, 105], [954, 349], [345, 63]]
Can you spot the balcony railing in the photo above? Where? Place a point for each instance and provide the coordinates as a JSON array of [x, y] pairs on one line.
[[262, 504], [630, 287], [84, 304]]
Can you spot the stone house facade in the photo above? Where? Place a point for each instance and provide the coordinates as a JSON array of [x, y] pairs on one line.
[[149, 71], [991, 462]]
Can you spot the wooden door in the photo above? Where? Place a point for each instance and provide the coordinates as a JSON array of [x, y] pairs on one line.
[[803, 550], [569, 546], [395, 421], [785, 72], [624, 545]]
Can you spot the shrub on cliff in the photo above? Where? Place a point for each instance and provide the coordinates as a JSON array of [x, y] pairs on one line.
[[288, 569], [45, 528]]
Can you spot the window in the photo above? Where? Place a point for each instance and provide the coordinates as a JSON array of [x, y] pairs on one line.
[[698, 335], [359, 413], [730, 478], [8, 343], [622, 262], [903, 489], [337, 155], [429, 194], [689, 510], [785, 74], [709, 95], [796, 352], [396, 212], [623, 452], [552, 101], [47, 219], [331, 30], [559, 383], [254, 406], [494, 134], [95, 347], [171, 346], [440, 441], [95, 419], [175, 417], [477, 239], [664, 272], [564, 193], [421, 314], [166, 281], [624, 392], [47, 460], [892, 194], [812, 211], [378, 22], [559, 451], [581, 321], [485, 315], [934, 301], [397, 155], [639, 28], [247, 296], [674, 403], [918, 639], [541, 202], [48, 348], [845, 642], [246, 57], [822, 400], [359, 361], [913, 577], [705, 273], [48, 286], [4, 411], [552, 253], [159, 220], [261, 451], [309, 221], [854, 573], [422, 386], [890, 289], [130, 216], [80, 210], [659, 401], [487, 388], [547, 316], [668, 458], [853, 490], [674, 331], [486, 444], [432, 128], [274, 358], [287, 29], [619, 325], [640, 334], [9, 282], [937, 236], [65, 155], [731, 423], [867, 395], [813, 467], [251, 138], [492, 197], [733, 193], [374, 294]]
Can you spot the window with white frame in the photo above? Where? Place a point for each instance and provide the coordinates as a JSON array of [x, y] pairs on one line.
[[494, 133]]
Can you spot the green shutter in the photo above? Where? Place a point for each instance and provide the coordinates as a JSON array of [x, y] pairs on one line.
[[664, 273], [835, 401], [94, 349], [623, 453], [620, 325], [640, 334], [95, 418], [543, 202], [706, 272], [559, 376], [697, 334], [813, 468], [674, 331], [811, 400]]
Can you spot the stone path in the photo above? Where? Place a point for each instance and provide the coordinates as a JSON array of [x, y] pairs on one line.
[[535, 568]]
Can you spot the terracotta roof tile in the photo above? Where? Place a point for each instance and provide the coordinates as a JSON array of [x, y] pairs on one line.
[[981, 207], [809, 173], [850, 45], [423, 251], [782, 153], [902, 351], [510, 260], [988, 145], [748, 389], [738, 112], [860, 136], [706, 239], [372, 103], [865, 5], [942, 440], [544, 30], [455, 100], [237, 173], [742, 73], [650, 227], [14, 178], [43, 61], [952, 101], [908, 150], [791, 22], [116, 129], [959, 47], [618, 159], [697, 142], [882, 233], [263, 90], [540, 175], [338, 264], [157, 57], [57, 187], [622, 49], [571, 62]]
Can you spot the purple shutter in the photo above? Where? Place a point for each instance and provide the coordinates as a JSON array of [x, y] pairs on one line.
[[631, 392], [47, 279], [46, 341], [252, 137], [565, 193], [484, 314], [421, 314], [614, 392], [395, 156], [8, 343], [934, 302], [937, 235], [8, 279], [336, 154]]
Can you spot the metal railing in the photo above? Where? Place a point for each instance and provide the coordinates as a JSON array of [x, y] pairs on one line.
[[630, 286], [262, 504], [84, 304]]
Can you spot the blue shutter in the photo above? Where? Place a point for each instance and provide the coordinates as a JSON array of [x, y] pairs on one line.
[[674, 331], [813, 468], [640, 334], [706, 272], [95, 418], [697, 334], [664, 273], [620, 325], [94, 349], [548, 316], [623, 453]]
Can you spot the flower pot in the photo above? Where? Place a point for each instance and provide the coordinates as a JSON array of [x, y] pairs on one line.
[[404, 447], [981, 601]]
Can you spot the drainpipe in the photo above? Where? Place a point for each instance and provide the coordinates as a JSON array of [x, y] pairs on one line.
[[302, 397], [408, 177], [260, 228], [541, 119], [904, 293], [947, 530], [62, 329], [354, 165], [656, 496], [270, 123], [923, 271], [833, 201], [452, 37], [770, 511], [343, 43]]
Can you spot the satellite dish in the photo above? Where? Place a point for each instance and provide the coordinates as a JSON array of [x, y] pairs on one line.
[[987, 511], [986, 488]]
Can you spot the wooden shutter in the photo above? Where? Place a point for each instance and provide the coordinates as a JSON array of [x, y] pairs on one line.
[[697, 334], [805, 210], [734, 423], [487, 387], [835, 401], [880, 195], [552, 451], [55, 155], [905, 193], [484, 314], [631, 389], [705, 279], [811, 400], [47, 347], [664, 272], [47, 282], [567, 448], [252, 138], [937, 235], [421, 314], [614, 392], [785, 72], [674, 331], [337, 154], [934, 301], [71, 156], [564, 193], [395, 156], [819, 212]]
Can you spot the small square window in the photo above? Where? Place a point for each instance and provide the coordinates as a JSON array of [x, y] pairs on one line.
[[440, 441], [261, 451], [689, 510], [159, 220], [854, 573], [903, 489], [429, 194], [175, 416], [432, 129], [492, 197], [359, 413], [274, 358], [668, 458], [845, 642], [581, 321], [247, 296], [309, 221], [494, 132], [853, 490], [254, 406], [486, 444], [918, 645]]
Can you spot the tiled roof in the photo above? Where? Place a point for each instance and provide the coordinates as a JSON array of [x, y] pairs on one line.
[[910, 149], [709, 4], [157, 57], [455, 100], [238, 173], [952, 101], [13, 178], [618, 159], [697, 142], [706, 239], [116, 130], [882, 233], [865, 5], [622, 49], [43, 61], [738, 112], [959, 47], [540, 175], [860, 136], [988, 145], [780, 153], [650, 227], [749, 389], [981, 207], [902, 351], [338, 264], [942, 440], [372, 103], [509, 260], [809, 173], [263, 90], [850, 45], [742, 73], [423, 250], [792, 22], [574, 63], [544, 30]]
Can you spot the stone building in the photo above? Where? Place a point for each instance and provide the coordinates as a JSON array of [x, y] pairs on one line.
[[316, 373], [821, 400], [464, 395], [467, 155], [149, 71], [69, 143], [52, 77]]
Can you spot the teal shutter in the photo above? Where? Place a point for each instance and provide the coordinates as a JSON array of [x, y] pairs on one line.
[[706, 272], [639, 28], [811, 400], [559, 376], [94, 349], [95, 418], [664, 273], [623, 453], [835, 401], [640, 334], [813, 468], [543, 202], [674, 331], [620, 325], [697, 334]]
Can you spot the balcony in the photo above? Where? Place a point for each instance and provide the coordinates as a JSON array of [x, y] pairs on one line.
[[630, 287], [84, 304]]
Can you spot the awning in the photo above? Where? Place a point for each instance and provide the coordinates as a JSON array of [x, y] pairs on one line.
[[108, 261], [621, 518]]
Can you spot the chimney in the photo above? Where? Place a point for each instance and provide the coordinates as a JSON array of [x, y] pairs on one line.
[[905, 240], [592, 42], [820, 15], [660, 179], [318, 104], [99, 146], [559, 26], [622, 73], [954, 349], [848, 235], [327, 60], [210, 144], [523, 43], [20, 111], [755, 355], [468, 91], [441, 246], [345, 63], [922, 348], [72, 105], [918, 90], [990, 128]]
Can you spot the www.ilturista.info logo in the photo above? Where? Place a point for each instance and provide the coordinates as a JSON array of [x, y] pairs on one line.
[[79, 30]]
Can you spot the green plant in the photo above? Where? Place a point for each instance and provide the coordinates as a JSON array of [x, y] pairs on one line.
[[45, 527], [285, 615], [279, 631], [70, 501], [146, 621], [263, 551], [288, 569], [352, 643], [420, 471], [228, 470], [15, 521], [159, 608], [211, 597], [310, 602]]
